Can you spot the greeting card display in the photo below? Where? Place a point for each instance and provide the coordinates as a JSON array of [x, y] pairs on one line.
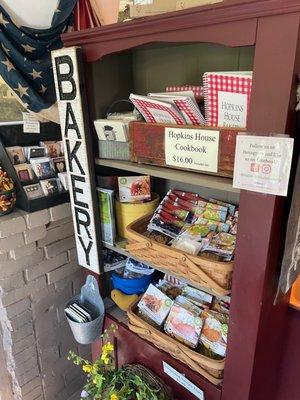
[[227, 98]]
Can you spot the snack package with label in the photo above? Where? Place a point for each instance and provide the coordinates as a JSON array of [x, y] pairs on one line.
[[169, 289], [191, 239], [133, 189], [174, 209], [214, 333], [213, 215], [215, 226], [197, 296], [135, 269], [222, 244], [192, 197], [188, 305], [231, 207], [183, 325], [155, 305], [159, 224], [158, 237]]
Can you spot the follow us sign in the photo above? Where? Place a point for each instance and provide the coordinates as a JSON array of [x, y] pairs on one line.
[[263, 163]]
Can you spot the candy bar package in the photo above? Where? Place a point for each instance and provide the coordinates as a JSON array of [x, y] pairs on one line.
[[184, 325], [214, 333], [133, 189], [155, 305]]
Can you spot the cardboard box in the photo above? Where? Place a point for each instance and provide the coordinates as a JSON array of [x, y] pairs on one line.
[[163, 6], [184, 4], [157, 7]]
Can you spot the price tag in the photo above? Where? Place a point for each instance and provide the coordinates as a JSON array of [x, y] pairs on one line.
[[30, 123], [263, 163], [183, 381], [196, 149]]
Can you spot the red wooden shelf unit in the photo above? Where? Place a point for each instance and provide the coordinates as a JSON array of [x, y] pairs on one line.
[[256, 333]]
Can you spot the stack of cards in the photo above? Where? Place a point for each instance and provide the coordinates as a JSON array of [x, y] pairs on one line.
[[44, 163], [78, 313]]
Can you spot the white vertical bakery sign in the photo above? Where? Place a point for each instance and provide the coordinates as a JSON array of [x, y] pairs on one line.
[[70, 98]]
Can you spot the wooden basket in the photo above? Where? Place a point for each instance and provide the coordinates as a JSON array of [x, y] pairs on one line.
[[211, 369], [214, 276]]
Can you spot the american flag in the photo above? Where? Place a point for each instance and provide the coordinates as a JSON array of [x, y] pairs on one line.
[[25, 58]]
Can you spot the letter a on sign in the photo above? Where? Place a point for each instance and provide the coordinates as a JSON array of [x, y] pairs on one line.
[[79, 158]]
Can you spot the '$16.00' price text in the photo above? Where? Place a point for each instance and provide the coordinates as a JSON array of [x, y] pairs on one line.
[[181, 159]]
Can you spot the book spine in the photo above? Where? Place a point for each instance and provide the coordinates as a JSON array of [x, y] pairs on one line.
[[207, 100]]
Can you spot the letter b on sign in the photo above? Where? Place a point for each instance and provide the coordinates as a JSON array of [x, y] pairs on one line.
[[65, 80]]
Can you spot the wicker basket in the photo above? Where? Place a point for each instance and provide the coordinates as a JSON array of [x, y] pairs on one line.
[[151, 378], [214, 276], [211, 369]]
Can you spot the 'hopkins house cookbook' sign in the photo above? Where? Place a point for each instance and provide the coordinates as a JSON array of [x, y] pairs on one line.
[[74, 127]]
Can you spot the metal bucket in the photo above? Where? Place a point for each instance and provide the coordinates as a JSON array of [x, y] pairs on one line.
[[88, 332]]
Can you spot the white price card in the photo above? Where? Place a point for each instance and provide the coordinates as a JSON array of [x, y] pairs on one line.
[[196, 149], [263, 164], [30, 123], [183, 381]]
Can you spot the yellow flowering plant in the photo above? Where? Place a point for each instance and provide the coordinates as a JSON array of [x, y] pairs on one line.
[[107, 382]]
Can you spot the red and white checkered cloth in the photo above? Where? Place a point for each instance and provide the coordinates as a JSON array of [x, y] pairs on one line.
[[198, 90], [215, 82]]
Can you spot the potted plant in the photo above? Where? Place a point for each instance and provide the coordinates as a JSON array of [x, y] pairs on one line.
[[105, 381], [7, 193]]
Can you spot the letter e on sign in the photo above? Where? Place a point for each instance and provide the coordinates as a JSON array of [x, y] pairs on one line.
[[79, 160]]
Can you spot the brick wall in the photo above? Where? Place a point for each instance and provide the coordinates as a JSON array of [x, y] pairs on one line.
[[38, 274]]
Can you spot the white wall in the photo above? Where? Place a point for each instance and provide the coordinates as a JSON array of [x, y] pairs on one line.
[[33, 13]]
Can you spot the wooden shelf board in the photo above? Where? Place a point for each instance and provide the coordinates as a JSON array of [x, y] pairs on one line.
[[193, 178], [125, 253]]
